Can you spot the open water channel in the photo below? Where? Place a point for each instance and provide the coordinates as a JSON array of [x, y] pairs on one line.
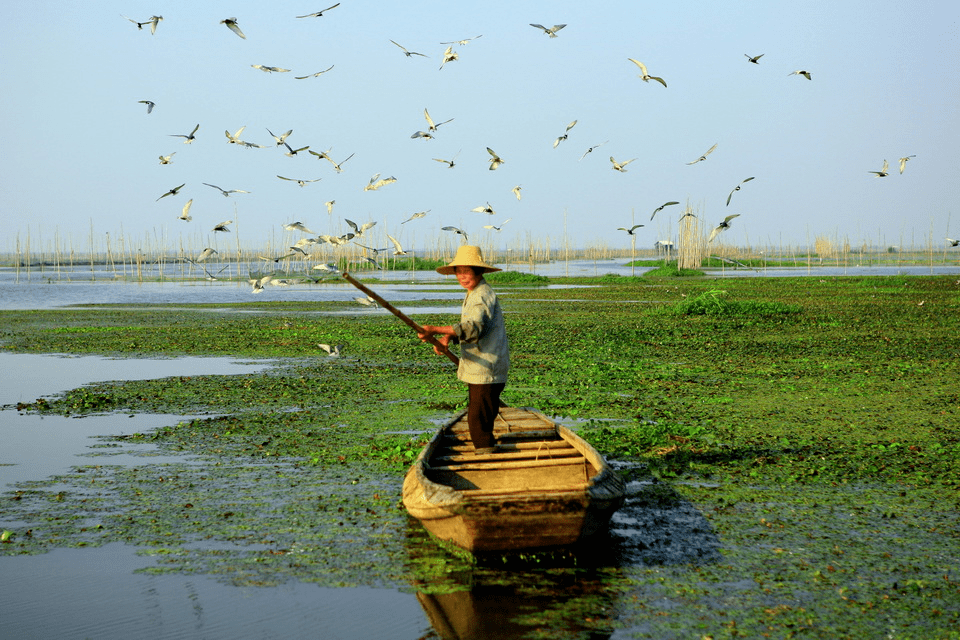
[[108, 592]]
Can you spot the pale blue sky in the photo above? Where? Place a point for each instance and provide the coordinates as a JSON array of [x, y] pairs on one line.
[[78, 147]]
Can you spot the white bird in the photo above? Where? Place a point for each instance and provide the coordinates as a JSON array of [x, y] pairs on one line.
[[903, 162], [646, 77], [408, 53], [463, 42], [661, 207], [376, 182], [258, 283], [332, 351], [621, 166], [171, 192], [884, 172], [185, 213], [552, 31], [292, 152], [300, 181], [167, 159], [432, 126], [495, 227], [367, 301], [953, 242], [358, 230], [423, 134], [297, 226], [223, 226], [737, 188], [495, 160], [450, 163], [317, 14], [722, 226], [233, 26], [234, 138], [326, 156], [281, 138], [150, 104], [418, 214], [590, 150], [329, 205], [329, 268], [704, 156], [225, 192], [484, 209], [754, 59], [153, 22], [269, 69], [206, 253], [190, 137], [630, 230], [516, 191], [314, 75], [801, 72], [449, 56], [564, 136], [457, 231], [397, 247]]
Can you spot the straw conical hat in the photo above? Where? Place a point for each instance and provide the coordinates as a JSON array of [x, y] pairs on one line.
[[468, 255]]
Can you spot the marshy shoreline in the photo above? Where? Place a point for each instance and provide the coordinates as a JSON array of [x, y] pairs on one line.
[[790, 445]]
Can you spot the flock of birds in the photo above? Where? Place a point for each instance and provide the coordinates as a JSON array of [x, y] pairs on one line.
[[376, 182]]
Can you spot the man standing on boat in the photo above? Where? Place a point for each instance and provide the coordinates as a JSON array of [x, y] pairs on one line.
[[484, 351]]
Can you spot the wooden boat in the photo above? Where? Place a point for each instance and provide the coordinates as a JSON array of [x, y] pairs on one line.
[[543, 487]]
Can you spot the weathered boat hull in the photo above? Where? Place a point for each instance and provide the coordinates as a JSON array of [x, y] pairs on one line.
[[544, 487]]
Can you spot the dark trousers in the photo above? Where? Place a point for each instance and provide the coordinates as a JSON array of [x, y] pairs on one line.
[[482, 410]]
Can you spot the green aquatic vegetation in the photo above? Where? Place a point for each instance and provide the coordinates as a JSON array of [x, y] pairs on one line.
[[672, 271]]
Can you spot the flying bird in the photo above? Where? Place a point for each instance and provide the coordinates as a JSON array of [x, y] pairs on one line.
[[903, 162], [423, 134], [552, 31], [185, 213], [720, 227], [167, 159], [234, 138], [190, 137], [223, 226], [233, 26], [590, 150], [646, 77], [329, 205], [457, 231], [332, 351], [153, 22], [269, 69], [376, 182], [326, 156], [359, 230], [314, 75], [300, 181], [754, 59], [484, 209], [564, 136], [281, 138], [449, 56], [206, 253], [172, 192], [317, 14], [737, 188], [884, 172], [407, 52], [329, 268], [367, 301], [495, 227], [150, 104], [397, 248], [418, 214], [292, 152], [621, 166], [953, 242], [800, 72], [258, 283], [630, 230], [431, 125], [495, 160], [450, 163], [297, 226], [516, 191], [225, 192], [661, 207], [463, 42], [704, 156]]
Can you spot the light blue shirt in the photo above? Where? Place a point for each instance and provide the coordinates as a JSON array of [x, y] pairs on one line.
[[484, 351]]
